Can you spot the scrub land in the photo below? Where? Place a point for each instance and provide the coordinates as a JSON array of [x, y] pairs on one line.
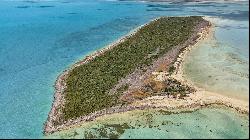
[[132, 73]]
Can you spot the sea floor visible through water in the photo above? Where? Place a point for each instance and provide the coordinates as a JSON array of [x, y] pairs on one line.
[[220, 63], [39, 39], [209, 122]]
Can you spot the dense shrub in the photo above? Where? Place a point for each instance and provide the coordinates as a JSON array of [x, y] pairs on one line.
[[87, 85]]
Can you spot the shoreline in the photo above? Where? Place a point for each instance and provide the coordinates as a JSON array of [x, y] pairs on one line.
[[194, 100], [60, 84], [241, 106], [200, 98], [121, 116]]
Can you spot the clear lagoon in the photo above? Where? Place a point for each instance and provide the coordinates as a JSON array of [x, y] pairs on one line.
[[39, 39]]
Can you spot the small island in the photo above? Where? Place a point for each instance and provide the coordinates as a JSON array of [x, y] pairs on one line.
[[141, 70]]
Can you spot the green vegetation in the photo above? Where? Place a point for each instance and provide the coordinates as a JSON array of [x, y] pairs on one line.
[[88, 84], [169, 86], [122, 88], [174, 87], [171, 69]]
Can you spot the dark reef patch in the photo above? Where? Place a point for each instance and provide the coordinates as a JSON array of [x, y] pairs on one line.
[[162, 6], [23, 7], [239, 15], [159, 9], [81, 38], [1, 70], [30, 1], [112, 131], [79, 42], [227, 27], [46, 6], [72, 13], [185, 6], [65, 2]]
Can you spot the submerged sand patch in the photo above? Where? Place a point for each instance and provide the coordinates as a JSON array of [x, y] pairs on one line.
[[196, 99]]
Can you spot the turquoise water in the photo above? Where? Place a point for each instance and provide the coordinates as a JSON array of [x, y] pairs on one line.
[[221, 63], [39, 39], [203, 123]]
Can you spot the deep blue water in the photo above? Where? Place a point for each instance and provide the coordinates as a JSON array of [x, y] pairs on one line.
[[39, 39]]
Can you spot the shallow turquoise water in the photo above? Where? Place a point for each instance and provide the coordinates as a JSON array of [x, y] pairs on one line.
[[39, 39], [221, 63], [204, 123]]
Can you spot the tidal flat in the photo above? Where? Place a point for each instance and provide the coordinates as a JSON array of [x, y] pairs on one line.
[[85, 89], [209, 122], [37, 44]]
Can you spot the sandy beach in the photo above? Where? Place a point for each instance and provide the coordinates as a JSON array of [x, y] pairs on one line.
[[198, 99], [60, 84]]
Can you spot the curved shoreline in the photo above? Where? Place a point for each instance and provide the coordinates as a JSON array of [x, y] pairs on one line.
[[200, 97], [60, 84], [208, 97], [192, 101]]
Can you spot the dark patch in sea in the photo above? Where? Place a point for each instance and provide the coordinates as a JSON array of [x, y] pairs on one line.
[[169, 9], [185, 6], [2, 71], [238, 15], [72, 13], [167, 122], [46, 6], [228, 27], [23, 7], [165, 112], [235, 58], [162, 6], [61, 17], [95, 35], [30, 1], [65, 2], [111, 131], [88, 40]]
